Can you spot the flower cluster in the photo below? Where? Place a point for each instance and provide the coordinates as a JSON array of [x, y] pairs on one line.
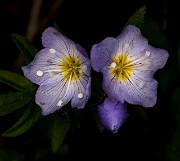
[[128, 63]]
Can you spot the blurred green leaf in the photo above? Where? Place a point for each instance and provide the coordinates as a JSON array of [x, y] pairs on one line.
[[11, 155], [26, 48], [173, 146], [30, 117], [166, 77], [178, 55], [61, 126], [153, 31], [16, 81], [175, 104], [12, 101], [137, 18]]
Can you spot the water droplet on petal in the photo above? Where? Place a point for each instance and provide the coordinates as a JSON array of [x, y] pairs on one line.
[[52, 50], [113, 64], [39, 73], [60, 103], [147, 53], [80, 95]]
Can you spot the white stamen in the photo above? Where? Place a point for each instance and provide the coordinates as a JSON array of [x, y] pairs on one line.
[[113, 64], [147, 53], [60, 103], [39, 73], [52, 51], [80, 95]]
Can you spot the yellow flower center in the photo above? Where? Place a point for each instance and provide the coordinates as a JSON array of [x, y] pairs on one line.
[[71, 68], [122, 67]]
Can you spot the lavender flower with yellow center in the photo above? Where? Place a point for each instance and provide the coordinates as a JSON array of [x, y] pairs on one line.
[[62, 71], [128, 64]]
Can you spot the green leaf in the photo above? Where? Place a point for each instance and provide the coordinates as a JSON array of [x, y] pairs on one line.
[[16, 81], [137, 18], [11, 155], [30, 117], [12, 101], [26, 48], [61, 126], [173, 146]]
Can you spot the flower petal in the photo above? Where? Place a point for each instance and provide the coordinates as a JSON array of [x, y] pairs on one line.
[[131, 41], [111, 86], [103, 52], [54, 94], [158, 57], [43, 61], [145, 96], [112, 114], [52, 38], [82, 93]]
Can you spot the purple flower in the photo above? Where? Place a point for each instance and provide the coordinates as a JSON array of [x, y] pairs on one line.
[[62, 71], [112, 114], [128, 64]]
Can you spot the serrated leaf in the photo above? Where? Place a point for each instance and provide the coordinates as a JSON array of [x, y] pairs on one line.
[[30, 117], [12, 101], [137, 18], [26, 48], [61, 126], [16, 81]]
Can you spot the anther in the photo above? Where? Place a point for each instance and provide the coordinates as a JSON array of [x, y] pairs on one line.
[[39, 73], [80, 95], [113, 64], [52, 51], [60, 103]]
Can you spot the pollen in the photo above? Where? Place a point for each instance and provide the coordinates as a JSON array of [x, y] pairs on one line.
[[71, 68], [39, 73], [80, 95], [122, 67], [60, 103], [52, 51]]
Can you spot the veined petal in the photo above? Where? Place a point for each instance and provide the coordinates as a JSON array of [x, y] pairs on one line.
[[111, 86], [131, 41], [82, 93], [52, 38], [103, 52], [144, 95], [112, 114], [54, 95], [158, 57], [42, 66]]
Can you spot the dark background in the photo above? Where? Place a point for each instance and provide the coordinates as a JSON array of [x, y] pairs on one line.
[[147, 132]]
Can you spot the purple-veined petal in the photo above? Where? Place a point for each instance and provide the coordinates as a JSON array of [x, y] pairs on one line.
[[82, 93], [131, 41], [43, 62], [103, 52], [52, 38], [53, 95], [112, 114], [158, 57], [145, 96]]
